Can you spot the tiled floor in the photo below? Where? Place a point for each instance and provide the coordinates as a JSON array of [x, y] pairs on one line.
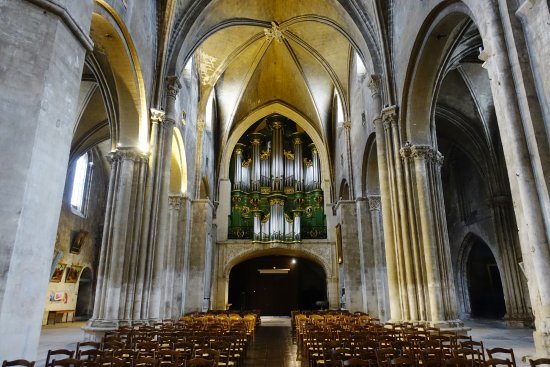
[[273, 344]]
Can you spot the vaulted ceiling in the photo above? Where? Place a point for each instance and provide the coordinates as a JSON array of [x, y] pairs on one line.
[[297, 53]]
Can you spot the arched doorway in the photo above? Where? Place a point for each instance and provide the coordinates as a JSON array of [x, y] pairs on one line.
[[276, 285], [484, 284], [84, 300]]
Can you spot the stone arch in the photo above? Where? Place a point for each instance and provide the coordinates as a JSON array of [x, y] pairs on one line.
[[85, 300], [253, 253], [178, 170], [436, 39], [468, 243], [344, 190], [110, 34], [370, 183]]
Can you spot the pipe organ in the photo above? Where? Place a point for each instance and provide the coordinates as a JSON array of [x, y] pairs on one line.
[[276, 191]]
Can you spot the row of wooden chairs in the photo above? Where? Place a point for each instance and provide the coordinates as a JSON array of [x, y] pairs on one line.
[[329, 339]]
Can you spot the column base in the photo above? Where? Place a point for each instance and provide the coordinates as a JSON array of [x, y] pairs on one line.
[[542, 344], [95, 329], [518, 320]]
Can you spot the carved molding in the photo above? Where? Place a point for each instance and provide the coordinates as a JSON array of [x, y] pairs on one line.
[[374, 83], [374, 202], [274, 33], [173, 86], [175, 202], [157, 116], [347, 125], [425, 152], [389, 116]]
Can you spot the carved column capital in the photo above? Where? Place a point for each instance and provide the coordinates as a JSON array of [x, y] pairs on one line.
[[374, 202], [425, 152], [175, 202], [347, 125], [200, 126], [389, 115], [374, 83], [157, 116], [173, 86], [122, 154]]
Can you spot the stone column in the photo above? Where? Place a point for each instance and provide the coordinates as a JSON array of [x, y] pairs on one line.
[[200, 251], [347, 216], [175, 255], [160, 177], [517, 313], [42, 56], [524, 170], [366, 259], [347, 136], [382, 128], [424, 164], [121, 249], [378, 257]]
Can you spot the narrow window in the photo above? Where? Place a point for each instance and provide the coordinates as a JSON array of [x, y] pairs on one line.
[[80, 184]]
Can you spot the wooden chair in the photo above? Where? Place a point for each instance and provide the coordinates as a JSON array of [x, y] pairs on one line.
[[494, 362], [457, 362], [89, 354], [385, 355], [111, 362], [62, 353], [200, 362], [472, 355], [472, 344], [167, 357], [540, 361], [87, 345], [67, 362], [356, 362], [402, 362], [18, 362], [498, 353], [208, 353], [145, 362]]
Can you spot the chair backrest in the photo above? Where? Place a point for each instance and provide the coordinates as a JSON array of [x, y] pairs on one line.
[[385, 355], [356, 362], [111, 362], [457, 362], [498, 362], [208, 353], [67, 362], [540, 361], [403, 362], [145, 362], [88, 345], [498, 353], [200, 362], [18, 362], [89, 354], [60, 353]]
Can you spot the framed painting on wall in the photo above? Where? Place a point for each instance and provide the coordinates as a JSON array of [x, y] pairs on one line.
[[73, 272], [58, 273], [78, 239]]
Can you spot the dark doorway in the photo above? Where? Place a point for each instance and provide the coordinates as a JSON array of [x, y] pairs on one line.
[[84, 300], [485, 287], [276, 285]]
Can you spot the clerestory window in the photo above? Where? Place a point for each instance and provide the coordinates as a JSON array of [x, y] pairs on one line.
[[81, 184]]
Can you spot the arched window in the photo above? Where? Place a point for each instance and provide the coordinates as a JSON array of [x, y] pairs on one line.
[[360, 67], [81, 184], [209, 113], [339, 109]]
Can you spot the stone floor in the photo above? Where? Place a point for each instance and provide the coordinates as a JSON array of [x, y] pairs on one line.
[[273, 344]]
